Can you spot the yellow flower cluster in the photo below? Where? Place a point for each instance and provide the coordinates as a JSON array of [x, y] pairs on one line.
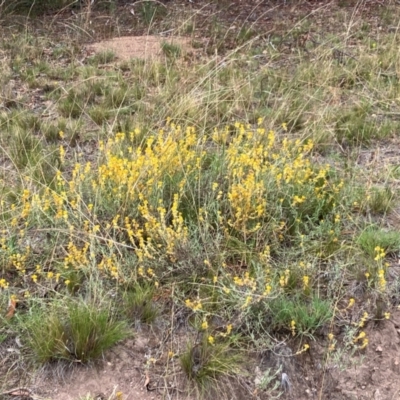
[[3, 284], [158, 232], [381, 280], [110, 265], [305, 347], [18, 261], [332, 342], [245, 281], [76, 258], [379, 253], [363, 319], [194, 305], [284, 279], [127, 173], [363, 338], [293, 327], [306, 281]]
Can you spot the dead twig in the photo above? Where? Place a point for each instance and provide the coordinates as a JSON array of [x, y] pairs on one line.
[[19, 391]]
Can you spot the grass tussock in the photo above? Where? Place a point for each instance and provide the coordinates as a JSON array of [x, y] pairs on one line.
[[77, 331]]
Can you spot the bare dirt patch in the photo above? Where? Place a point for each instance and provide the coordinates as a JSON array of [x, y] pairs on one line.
[[145, 47], [376, 374], [369, 374], [124, 369]]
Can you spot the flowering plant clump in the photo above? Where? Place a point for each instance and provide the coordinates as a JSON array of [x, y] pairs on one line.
[[152, 198], [177, 203]]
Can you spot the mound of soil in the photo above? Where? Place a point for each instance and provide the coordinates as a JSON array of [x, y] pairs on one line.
[[144, 47]]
